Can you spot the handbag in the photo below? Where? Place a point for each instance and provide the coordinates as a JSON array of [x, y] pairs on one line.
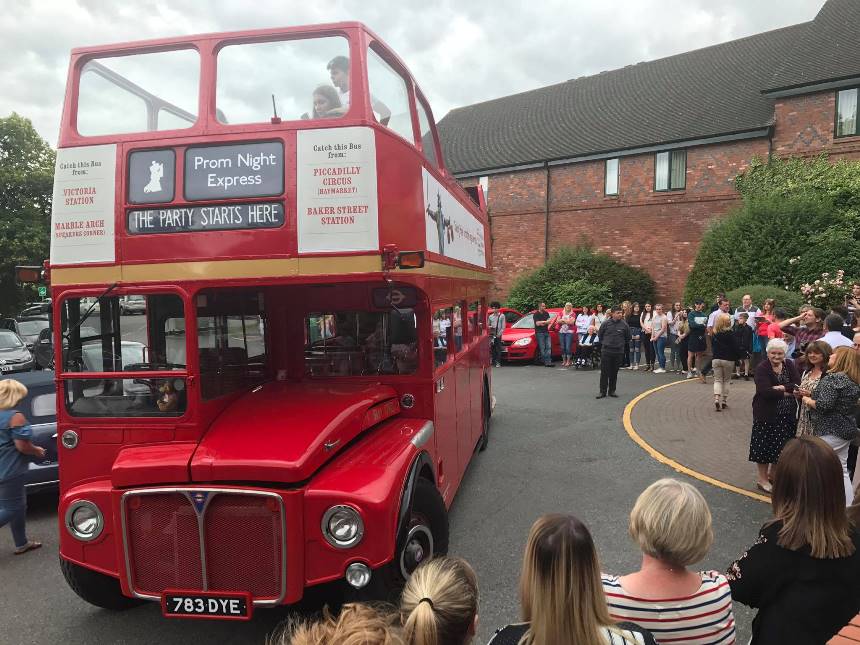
[[756, 344]]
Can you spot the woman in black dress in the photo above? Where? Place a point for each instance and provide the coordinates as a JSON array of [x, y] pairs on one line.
[[774, 409], [803, 571]]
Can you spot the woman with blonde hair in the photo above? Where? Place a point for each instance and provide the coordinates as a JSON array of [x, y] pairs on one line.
[[16, 446], [439, 605], [832, 405], [802, 572], [724, 345], [560, 594], [671, 524], [356, 624], [566, 325]]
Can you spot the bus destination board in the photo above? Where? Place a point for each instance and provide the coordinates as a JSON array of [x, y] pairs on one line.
[[220, 217], [228, 172]]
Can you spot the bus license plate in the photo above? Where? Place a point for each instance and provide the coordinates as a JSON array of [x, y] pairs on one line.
[[207, 604]]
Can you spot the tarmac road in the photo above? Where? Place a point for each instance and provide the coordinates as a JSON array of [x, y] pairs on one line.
[[553, 448]]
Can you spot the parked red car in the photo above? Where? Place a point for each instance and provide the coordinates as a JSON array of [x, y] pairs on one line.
[[511, 316], [519, 342]]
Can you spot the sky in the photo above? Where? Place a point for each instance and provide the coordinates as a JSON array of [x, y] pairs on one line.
[[459, 51]]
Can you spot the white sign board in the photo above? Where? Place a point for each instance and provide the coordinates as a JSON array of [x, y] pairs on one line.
[[82, 217], [451, 230], [336, 201]]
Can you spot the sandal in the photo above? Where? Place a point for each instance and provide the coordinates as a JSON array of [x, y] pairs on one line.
[[767, 488], [30, 546]]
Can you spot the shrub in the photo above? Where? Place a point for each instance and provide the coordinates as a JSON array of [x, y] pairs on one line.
[[582, 276], [830, 290], [754, 243], [788, 300]]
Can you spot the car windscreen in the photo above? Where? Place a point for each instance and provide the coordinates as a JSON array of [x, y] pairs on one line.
[[526, 322], [8, 340], [31, 327]]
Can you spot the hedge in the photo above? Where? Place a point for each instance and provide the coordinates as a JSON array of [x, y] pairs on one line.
[[788, 300], [799, 219], [582, 276]]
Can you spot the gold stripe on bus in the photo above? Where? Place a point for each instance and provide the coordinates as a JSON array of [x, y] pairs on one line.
[[238, 269]]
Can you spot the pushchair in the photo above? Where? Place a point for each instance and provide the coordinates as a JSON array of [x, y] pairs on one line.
[[585, 351]]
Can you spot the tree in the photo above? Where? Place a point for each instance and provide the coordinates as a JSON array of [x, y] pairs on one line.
[[800, 218], [26, 187], [582, 276]]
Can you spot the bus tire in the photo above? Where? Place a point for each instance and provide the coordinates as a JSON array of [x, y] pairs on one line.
[[485, 420], [427, 538], [96, 588]]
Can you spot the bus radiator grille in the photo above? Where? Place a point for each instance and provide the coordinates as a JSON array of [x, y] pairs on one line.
[[243, 543]]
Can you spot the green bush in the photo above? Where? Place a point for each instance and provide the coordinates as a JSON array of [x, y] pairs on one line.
[[800, 218], [788, 300], [755, 243], [583, 277]]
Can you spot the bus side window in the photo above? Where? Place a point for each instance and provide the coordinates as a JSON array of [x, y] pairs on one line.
[[427, 140], [389, 97], [443, 335], [474, 320]]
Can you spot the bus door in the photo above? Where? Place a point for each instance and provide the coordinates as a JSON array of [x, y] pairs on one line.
[[448, 466], [478, 348]]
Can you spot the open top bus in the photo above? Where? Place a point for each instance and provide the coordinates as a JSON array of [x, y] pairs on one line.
[[309, 379]]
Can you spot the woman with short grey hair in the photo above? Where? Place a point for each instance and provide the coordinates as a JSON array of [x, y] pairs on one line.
[[774, 410]]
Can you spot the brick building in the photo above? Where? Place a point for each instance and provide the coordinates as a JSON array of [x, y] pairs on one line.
[[637, 161]]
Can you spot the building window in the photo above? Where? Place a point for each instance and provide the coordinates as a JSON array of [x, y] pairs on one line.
[[670, 170], [846, 113], [610, 185]]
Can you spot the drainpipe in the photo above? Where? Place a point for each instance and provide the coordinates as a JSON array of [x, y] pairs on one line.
[[546, 215]]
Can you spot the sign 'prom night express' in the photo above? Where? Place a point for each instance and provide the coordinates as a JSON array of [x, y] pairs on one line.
[[222, 217]]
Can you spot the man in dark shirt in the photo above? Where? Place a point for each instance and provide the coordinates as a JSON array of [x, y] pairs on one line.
[[613, 335], [542, 323]]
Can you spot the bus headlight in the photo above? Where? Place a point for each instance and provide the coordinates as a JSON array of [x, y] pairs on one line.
[[342, 526], [84, 520], [522, 342]]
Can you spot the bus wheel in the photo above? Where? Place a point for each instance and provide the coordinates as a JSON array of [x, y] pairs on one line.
[[426, 538], [96, 588], [485, 421]]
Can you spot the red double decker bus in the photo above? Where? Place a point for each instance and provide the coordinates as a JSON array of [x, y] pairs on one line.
[[269, 305]]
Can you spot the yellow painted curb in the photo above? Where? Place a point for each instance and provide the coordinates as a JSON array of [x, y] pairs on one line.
[[663, 459]]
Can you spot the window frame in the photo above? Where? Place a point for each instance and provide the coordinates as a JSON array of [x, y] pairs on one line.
[[856, 133], [419, 100], [617, 161], [669, 186], [380, 50], [450, 350]]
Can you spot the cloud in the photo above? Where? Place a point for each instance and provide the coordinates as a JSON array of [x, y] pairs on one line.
[[459, 52]]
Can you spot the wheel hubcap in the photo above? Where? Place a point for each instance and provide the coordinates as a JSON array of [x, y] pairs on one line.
[[419, 547]]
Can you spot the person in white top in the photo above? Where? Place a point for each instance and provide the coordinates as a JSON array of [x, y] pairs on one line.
[[659, 333], [833, 332], [338, 68], [750, 309], [583, 322]]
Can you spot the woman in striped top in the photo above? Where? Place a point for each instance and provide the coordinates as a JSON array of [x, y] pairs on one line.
[[671, 523], [560, 595]]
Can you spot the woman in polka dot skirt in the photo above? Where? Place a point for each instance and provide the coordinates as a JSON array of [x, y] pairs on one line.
[[774, 410]]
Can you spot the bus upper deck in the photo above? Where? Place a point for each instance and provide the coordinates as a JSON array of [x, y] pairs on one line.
[[252, 155]]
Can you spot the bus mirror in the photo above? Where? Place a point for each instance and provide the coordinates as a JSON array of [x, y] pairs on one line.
[[410, 259], [29, 275]]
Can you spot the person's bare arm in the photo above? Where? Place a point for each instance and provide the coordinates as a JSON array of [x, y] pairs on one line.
[[25, 446]]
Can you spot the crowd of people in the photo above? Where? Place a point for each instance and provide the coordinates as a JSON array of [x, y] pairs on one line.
[[801, 574]]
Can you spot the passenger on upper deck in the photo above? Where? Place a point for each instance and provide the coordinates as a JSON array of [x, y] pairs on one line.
[[325, 100], [338, 68]]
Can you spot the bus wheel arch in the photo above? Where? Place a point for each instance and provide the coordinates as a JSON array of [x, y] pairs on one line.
[[486, 414], [96, 588]]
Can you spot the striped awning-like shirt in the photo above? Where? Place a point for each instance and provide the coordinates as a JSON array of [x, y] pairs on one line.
[[703, 618]]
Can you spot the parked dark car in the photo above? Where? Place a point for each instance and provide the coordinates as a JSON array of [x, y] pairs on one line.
[[15, 356], [43, 348], [26, 328], [40, 408]]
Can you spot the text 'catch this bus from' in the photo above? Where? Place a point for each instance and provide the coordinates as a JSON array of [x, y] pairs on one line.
[[310, 378]]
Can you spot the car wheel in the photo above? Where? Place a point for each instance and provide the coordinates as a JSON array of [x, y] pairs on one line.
[[426, 538], [96, 588], [485, 420]]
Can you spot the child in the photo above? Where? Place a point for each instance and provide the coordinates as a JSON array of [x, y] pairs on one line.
[[744, 335]]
